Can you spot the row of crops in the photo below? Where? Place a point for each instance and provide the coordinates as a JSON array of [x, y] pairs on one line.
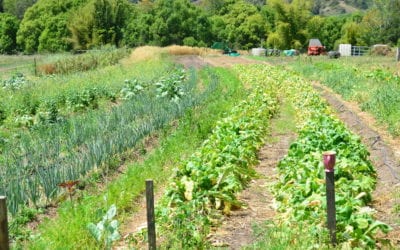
[[32, 167], [300, 190], [28, 102], [376, 90], [206, 185]]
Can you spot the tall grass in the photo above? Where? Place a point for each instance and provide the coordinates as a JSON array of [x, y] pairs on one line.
[[68, 230], [83, 62]]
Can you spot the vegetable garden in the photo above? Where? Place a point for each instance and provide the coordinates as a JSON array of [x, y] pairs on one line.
[[77, 130]]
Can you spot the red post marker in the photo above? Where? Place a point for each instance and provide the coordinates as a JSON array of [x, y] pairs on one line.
[[329, 159]]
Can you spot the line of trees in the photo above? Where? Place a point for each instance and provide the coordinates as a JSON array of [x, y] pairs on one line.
[[34, 26]]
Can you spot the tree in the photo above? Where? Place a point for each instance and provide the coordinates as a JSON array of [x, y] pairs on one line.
[[290, 22], [8, 32], [17, 7], [44, 28], [242, 25], [173, 21], [98, 23], [388, 11]]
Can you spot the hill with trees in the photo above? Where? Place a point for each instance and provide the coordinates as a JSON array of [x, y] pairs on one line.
[[51, 25]]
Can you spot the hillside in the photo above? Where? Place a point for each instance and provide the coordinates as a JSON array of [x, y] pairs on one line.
[[333, 7]]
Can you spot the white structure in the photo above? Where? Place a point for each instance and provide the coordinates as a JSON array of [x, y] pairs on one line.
[[258, 51], [345, 49]]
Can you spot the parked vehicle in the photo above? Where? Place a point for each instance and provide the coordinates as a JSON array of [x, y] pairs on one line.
[[315, 48], [334, 54]]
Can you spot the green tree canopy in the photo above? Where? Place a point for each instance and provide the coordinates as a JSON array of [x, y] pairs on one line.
[[17, 7], [8, 33], [43, 27], [98, 23]]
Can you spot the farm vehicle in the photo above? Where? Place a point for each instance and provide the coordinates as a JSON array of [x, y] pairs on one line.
[[315, 48], [226, 50]]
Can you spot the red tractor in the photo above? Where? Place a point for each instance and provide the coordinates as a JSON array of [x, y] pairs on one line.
[[315, 48]]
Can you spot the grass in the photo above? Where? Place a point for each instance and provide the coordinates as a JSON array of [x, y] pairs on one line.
[[68, 230], [372, 82], [274, 236]]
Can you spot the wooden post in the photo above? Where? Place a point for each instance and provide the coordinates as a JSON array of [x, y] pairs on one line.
[[4, 244], [398, 54], [151, 221], [35, 65], [329, 159]]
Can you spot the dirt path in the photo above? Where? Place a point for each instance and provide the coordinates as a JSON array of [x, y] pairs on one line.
[[236, 229], [384, 155]]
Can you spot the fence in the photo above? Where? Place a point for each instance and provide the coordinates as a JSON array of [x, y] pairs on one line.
[[359, 50]]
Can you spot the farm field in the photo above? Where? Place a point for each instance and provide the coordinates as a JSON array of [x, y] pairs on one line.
[[200, 130]]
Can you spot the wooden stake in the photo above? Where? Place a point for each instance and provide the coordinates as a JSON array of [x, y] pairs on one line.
[[398, 54], [330, 203], [151, 221], [329, 159], [4, 244]]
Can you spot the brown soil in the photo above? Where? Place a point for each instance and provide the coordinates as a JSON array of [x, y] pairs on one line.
[[236, 230]]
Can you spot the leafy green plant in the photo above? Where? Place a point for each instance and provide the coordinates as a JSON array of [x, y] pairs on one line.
[[300, 191], [132, 88], [106, 231], [206, 184], [16, 82], [171, 87]]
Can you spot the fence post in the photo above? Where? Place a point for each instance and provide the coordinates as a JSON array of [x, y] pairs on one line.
[[329, 159], [398, 54], [4, 244], [151, 221], [35, 65]]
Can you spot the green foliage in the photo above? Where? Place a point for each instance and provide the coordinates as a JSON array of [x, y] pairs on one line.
[[69, 229], [165, 23], [376, 90], [70, 149], [211, 178], [299, 190], [15, 82], [17, 7], [106, 231], [8, 33], [290, 23], [99, 23], [44, 26], [242, 25]]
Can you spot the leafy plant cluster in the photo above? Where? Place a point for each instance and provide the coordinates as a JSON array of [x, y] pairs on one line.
[[34, 165], [210, 179], [300, 191], [169, 86], [15, 82], [106, 231]]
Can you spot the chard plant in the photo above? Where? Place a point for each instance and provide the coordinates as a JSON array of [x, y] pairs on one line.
[[106, 231]]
